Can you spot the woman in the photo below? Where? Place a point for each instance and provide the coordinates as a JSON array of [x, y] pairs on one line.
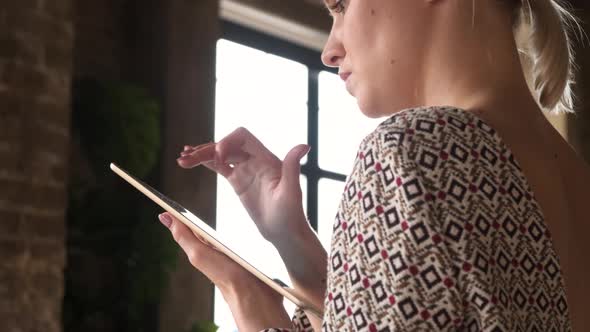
[[462, 217]]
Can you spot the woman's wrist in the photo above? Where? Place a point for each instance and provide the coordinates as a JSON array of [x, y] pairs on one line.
[[306, 261], [255, 306]]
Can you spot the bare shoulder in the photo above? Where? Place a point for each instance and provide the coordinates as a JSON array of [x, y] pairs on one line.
[[575, 174], [569, 165]]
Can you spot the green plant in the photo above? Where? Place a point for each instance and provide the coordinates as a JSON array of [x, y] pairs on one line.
[[118, 256]]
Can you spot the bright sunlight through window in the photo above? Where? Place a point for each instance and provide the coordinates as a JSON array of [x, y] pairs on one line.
[[267, 94]]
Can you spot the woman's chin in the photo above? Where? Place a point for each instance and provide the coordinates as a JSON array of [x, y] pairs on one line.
[[369, 110], [368, 105]]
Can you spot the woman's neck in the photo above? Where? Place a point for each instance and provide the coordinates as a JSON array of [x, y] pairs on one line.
[[474, 64]]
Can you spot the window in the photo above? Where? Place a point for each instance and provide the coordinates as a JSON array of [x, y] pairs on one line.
[[284, 96]]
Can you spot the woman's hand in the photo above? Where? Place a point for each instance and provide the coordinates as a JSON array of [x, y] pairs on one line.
[[254, 305], [270, 191], [268, 188]]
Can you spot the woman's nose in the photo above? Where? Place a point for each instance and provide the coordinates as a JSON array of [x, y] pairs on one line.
[[333, 53]]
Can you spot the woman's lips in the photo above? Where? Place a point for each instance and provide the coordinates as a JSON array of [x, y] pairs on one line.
[[344, 76]]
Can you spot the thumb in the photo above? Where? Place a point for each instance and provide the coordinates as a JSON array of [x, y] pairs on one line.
[[291, 165]]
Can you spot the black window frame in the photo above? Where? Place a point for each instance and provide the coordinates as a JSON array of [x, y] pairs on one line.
[[312, 59]]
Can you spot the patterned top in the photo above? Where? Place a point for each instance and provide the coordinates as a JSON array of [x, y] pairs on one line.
[[439, 230]]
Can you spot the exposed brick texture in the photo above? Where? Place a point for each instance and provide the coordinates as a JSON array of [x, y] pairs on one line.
[[36, 39]]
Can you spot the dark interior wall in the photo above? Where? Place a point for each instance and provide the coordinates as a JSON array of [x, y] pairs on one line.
[[167, 47], [579, 124], [100, 45], [175, 45]]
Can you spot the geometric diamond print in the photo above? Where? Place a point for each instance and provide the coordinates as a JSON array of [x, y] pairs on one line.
[[454, 231], [442, 319], [428, 160], [457, 190], [368, 202], [482, 224], [527, 264], [519, 298], [419, 233], [355, 277], [515, 193], [388, 175], [408, 308], [542, 302], [479, 301], [503, 261], [488, 155], [397, 263], [392, 217], [509, 226], [425, 126], [371, 246], [338, 303], [430, 277], [412, 189], [481, 263], [459, 153], [359, 319], [438, 230], [457, 123], [379, 291], [552, 269], [488, 188], [535, 232], [369, 161]]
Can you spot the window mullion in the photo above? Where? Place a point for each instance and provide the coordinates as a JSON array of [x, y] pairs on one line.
[[313, 175]]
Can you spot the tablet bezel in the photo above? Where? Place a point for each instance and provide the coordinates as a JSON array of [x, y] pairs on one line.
[[211, 236]]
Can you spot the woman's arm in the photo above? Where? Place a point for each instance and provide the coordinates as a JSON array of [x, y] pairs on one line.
[[254, 305], [306, 261]]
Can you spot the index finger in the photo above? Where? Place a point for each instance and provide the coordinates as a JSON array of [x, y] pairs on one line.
[[240, 141], [197, 156]]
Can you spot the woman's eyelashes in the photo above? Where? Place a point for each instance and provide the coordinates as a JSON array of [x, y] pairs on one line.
[[338, 7]]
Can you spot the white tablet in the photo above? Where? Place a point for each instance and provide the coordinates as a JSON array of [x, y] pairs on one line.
[[215, 239]]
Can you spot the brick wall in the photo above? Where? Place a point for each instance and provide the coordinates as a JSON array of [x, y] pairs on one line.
[[35, 68]]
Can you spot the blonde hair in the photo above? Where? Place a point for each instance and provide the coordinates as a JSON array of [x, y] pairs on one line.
[[543, 35]]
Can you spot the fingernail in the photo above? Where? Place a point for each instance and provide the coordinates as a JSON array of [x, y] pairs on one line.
[[305, 151], [187, 147], [165, 220]]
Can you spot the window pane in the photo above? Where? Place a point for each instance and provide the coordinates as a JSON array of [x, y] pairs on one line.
[[267, 95], [329, 194], [263, 92], [342, 126]]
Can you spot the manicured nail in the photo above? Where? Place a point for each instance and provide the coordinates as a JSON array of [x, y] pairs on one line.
[[305, 151], [165, 220]]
